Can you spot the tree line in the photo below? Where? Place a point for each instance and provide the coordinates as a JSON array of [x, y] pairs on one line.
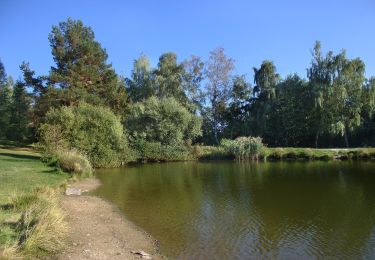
[[176, 103]]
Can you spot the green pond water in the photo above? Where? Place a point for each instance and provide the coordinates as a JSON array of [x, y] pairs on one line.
[[231, 210]]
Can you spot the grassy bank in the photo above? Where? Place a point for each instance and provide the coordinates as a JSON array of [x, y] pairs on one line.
[[289, 153], [31, 222]]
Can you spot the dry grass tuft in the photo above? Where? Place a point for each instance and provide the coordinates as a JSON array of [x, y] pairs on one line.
[[74, 162], [42, 228]]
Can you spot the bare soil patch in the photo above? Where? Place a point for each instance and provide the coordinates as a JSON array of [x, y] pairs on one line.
[[98, 230]]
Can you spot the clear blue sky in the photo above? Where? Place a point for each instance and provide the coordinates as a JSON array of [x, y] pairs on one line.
[[250, 31]]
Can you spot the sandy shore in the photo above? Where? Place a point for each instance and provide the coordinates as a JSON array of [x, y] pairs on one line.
[[99, 231]]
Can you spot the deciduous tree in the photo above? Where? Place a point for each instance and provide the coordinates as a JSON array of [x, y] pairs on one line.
[[218, 71]]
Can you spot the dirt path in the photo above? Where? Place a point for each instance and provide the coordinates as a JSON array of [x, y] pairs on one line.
[[99, 231]]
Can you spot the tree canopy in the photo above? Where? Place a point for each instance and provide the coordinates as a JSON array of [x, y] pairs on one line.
[[181, 102]]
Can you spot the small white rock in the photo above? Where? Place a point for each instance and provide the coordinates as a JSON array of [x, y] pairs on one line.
[[73, 191]]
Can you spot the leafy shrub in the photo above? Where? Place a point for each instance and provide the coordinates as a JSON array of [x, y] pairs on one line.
[[228, 145], [162, 120], [92, 130], [162, 129], [155, 151], [243, 148]]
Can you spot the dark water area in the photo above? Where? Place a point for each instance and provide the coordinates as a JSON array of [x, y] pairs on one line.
[[226, 210]]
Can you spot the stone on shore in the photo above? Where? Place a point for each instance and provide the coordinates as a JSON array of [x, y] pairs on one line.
[[73, 191]]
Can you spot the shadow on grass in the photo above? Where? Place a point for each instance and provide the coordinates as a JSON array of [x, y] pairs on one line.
[[7, 206], [21, 156], [54, 171]]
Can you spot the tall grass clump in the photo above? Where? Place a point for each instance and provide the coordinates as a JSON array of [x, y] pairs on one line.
[[74, 162], [42, 227], [158, 152], [201, 152], [243, 148]]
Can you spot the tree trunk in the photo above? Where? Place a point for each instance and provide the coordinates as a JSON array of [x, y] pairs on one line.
[[346, 138], [215, 135], [316, 139]]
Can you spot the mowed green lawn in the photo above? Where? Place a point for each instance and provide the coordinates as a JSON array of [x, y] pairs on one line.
[[21, 170]]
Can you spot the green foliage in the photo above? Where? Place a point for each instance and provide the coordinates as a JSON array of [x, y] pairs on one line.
[[92, 130], [193, 75], [335, 101], [3, 75], [6, 92], [201, 152], [141, 84], [162, 129], [218, 72], [290, 119], [20, 119], [168, 78], [337, 83], [243, 148], [166, 81], [81, 73], [228, 147], [81, 69], [156, 152], [368, 98], [266, 80], [291, 154], [15, 106], [237, 112], [162, 120]]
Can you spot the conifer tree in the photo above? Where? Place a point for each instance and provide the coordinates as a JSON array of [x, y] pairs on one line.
[[20, 114]]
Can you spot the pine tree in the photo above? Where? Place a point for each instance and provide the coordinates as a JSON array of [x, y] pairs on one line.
[[20, 111], [5, 107], [82, 72]]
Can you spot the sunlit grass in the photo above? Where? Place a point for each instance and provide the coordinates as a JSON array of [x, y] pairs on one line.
[[21, 173]]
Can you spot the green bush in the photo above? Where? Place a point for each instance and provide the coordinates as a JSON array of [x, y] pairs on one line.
[[162, 129], [162, 120], [92, 130], [243, 148], [156, 152], [228, 145]]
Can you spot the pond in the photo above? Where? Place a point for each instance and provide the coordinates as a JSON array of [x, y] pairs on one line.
[[222, 210]]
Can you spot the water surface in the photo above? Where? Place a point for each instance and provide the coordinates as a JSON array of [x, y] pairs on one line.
[[222, 210]]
